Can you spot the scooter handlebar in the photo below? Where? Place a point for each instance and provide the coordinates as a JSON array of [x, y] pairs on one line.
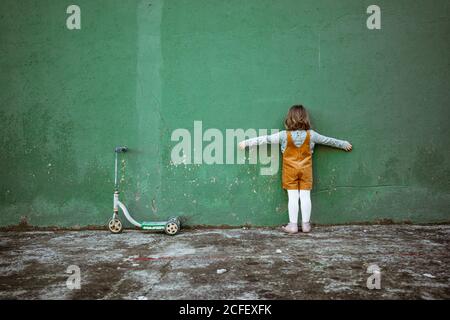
[[121, 149]]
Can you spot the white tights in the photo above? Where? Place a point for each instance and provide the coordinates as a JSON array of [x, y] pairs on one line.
[[305, 203]]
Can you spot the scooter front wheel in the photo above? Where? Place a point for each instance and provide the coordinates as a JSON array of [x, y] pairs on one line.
[[115, 225]]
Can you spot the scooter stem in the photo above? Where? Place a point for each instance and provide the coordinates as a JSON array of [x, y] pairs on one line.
[[116, 183], [117, 150]]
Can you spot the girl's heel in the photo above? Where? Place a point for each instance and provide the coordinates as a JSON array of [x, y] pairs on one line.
[[290, 228]]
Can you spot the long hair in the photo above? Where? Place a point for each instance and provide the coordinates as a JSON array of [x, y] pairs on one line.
[[297, 118]]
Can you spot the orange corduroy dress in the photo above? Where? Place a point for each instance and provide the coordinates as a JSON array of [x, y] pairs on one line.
[[297, 164]]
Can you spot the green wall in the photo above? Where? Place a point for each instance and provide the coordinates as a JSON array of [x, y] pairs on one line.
[[137, 70]]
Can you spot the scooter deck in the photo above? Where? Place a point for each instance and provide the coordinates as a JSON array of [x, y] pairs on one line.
[[154, 225]]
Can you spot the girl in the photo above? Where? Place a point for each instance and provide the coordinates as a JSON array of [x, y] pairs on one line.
[[297, 145]]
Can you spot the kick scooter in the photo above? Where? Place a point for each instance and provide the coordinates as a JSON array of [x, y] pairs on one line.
[[171, 226]]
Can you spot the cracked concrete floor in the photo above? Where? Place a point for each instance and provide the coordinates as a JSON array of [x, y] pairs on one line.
[[261, 263]]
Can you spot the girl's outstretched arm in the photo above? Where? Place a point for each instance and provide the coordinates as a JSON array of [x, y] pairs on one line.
[[332, 142], [273, 138]]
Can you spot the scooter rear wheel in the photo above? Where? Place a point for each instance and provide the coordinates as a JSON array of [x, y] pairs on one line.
[[171, 228], [115, 225]]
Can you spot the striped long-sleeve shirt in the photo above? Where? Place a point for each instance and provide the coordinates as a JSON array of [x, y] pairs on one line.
[[298, 137]]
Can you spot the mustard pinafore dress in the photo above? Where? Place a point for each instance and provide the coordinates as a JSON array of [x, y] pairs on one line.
[[297, 164]]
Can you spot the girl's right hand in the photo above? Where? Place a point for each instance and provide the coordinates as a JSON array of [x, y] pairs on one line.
[[242, 145], [348, 147]]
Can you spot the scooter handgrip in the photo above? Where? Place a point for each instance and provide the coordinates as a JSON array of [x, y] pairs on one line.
[[121, 149]]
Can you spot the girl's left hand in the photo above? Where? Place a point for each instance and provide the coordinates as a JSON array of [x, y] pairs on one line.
[[348, 147], [242, 145]]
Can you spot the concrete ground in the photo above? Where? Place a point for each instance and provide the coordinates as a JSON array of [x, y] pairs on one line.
[[329, 263]]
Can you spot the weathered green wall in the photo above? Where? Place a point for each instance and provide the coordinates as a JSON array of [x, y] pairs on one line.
[[137, 70]]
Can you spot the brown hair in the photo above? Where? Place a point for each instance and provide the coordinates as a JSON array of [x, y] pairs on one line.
[[297, 118]]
